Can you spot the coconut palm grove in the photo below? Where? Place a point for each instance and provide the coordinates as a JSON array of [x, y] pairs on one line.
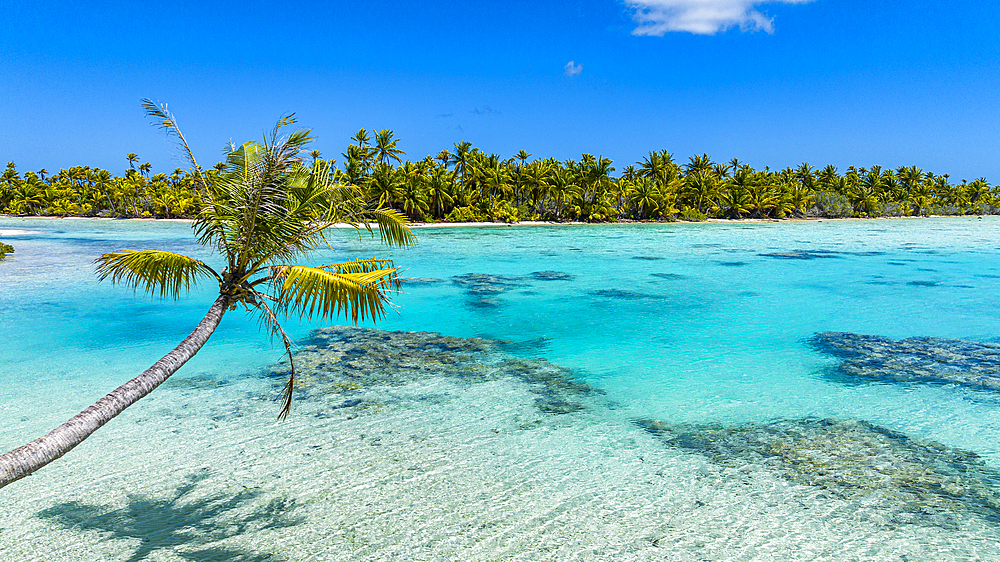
[[465, 184]]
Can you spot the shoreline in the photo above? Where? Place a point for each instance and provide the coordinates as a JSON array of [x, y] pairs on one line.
[[423, 225]]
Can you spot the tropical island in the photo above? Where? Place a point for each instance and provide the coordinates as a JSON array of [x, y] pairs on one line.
[[466, 184], [354, 354]]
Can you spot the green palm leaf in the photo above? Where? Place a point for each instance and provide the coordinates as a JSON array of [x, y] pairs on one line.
[[391, 226], [153, 270], [356, 288]]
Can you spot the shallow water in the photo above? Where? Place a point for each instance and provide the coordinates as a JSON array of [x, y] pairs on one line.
[[691, 325]]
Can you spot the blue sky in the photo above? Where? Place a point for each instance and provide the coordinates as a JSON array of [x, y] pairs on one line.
[[772, 83]]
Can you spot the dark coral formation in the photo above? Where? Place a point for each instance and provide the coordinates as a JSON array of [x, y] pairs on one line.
[[483, 288], [341, 359], [622, 294], [552, 276], [817, 254], [421, 281], [934, 360], [849, 459], [802, 255]]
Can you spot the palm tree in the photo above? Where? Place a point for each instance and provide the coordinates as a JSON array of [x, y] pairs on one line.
[[385, 184], [827, 177], [979, 191], [444, 157], [699, 165], [909, 178], [358, 158], [463, 158], [523, 156], [761, 194], [735, 200], [538, 174], [262, 211], [657, 165], [563, 186], [700, 188], [385, 147], [439, 181], [644, 195], [806, 175], [865, 197]]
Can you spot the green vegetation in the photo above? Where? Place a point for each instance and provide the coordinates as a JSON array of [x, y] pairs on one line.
[[467, 184], [262, 209], [5, 249]]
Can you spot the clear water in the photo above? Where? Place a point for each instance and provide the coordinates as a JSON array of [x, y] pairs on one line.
[[679, 322]]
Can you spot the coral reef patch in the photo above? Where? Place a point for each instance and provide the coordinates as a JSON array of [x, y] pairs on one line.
[[925, 359], [422, 281], [483, 288], [342, 360], [851, 459], [552, 276], [622, 294], [802, 255]]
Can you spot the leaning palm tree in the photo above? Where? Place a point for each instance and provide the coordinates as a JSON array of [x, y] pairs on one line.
[[264, 210]]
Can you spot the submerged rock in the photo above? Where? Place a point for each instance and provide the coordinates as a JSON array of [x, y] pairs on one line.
[[341, 360], [552, 276], [534, 345], [422, 281], [934, 360], [196, 382], [850, 459], [488, 282], [802, 255], [482, 288], [622, 294]]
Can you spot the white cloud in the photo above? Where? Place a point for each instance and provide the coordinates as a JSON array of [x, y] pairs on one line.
[[705, 17], [572, 69]]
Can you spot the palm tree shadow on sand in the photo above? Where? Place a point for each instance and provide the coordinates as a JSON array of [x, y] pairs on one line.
[[180, 523]]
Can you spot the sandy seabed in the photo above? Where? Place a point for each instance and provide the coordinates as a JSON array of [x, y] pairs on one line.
[[436, 470]]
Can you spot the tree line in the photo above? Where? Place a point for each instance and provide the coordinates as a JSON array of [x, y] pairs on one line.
[[466, 184]]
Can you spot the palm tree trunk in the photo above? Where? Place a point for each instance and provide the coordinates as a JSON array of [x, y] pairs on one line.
[[28, 458]]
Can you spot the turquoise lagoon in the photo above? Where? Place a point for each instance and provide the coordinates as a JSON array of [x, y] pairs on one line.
[[701, 327]]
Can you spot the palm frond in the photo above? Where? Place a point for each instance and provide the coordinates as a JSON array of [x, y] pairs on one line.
[[252, 215], [356, 288], [392, 226], [270, 319], [163, 119], [153, 270]]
